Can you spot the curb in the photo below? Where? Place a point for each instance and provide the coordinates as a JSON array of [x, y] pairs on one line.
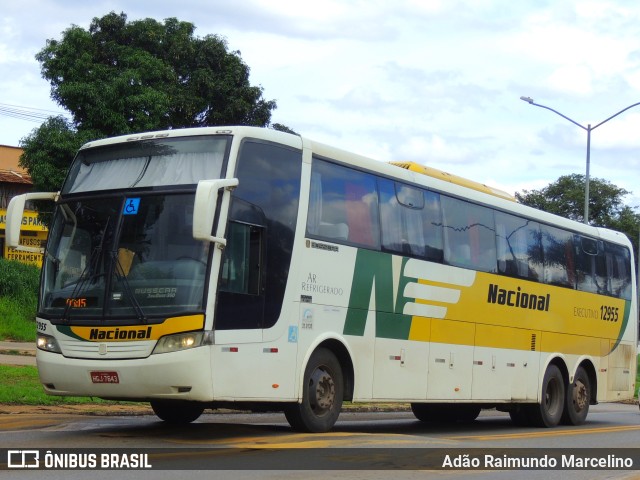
[[8, 347], [17, 352]]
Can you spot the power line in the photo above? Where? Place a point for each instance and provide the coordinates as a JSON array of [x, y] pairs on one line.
[[28, 113]]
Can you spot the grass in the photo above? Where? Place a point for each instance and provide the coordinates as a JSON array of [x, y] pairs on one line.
[[20, 386], [13, 322], [18, 300]]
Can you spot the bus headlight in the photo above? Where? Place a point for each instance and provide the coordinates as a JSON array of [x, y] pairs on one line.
[[183, 341], [47, 343]]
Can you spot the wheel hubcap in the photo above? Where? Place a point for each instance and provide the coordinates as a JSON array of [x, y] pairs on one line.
[[322, 391], [580, 396]]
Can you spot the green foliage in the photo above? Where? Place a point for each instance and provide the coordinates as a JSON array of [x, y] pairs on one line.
[[16, 321], [18, 300], [19, 282], [120, 77], [49, 150], [565, 197], [283, 128], [20, 386]]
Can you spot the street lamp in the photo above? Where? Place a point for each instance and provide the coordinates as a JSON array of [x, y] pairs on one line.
[[588, 128]]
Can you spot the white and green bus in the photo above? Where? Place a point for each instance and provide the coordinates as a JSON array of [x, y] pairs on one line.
[[248, 268]]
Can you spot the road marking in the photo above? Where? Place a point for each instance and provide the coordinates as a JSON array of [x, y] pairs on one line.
[[316, 440], [549, 433], [9, 422]]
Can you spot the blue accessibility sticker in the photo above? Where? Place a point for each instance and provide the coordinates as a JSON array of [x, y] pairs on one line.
[[131, 206], [293, 334]]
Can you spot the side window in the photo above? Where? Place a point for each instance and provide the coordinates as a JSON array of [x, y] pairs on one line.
[[343, 205], [559, 261], [469, 235], [588, 255], [433, 227], [410, 220], [618, 261], [260, 233], [242, 260], [518, 247]]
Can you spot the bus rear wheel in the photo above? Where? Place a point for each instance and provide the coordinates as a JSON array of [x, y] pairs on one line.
[[520, 415], [549, 411], [322, 395], [577, 399], [177, 412]]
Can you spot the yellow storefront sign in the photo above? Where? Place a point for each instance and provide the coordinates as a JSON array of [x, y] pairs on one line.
[[30, 221], [34, 235]]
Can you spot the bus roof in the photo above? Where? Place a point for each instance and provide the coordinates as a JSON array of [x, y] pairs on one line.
[[434, 172]]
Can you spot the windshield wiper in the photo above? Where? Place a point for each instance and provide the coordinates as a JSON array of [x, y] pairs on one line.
[[91, 266], [121, 276]]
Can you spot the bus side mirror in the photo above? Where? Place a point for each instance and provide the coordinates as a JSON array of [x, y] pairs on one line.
[[15, 212], [204, 208]]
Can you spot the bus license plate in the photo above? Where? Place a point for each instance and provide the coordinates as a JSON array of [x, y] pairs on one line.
[[105, 377]]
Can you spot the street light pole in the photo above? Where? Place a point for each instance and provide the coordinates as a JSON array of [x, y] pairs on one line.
[[588, 129]]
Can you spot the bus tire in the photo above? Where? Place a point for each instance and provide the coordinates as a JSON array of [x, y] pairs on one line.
[[577, 399], [322, 395], [548, 412], [425, 412], [520, 416], [177, 412], [467, 413]]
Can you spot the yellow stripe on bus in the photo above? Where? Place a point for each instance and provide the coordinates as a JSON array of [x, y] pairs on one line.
[[140, 332]]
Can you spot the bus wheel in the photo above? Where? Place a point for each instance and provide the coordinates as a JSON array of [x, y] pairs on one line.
[[322, 395], [467, 413], [577, 399], [549, 411], [177, 412], [520, 416], [425, 412]]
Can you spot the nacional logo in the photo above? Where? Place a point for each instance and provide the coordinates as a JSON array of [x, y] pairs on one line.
[[120, 334], [518, 298]]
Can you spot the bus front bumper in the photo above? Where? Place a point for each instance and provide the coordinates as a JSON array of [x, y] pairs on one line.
[[183, 375]]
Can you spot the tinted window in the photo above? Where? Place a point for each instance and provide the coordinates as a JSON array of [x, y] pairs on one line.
[[343, 205], [590, 265], [618, 261], [559, 261], [469, 235], [242, 263], [170, 161], [410, 220], [266, 201], [518, 244]]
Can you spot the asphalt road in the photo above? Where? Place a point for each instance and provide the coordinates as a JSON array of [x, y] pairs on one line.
[[261, 446], [362, 445]]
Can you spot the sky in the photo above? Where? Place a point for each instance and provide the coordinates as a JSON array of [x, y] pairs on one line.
[[432, 81]]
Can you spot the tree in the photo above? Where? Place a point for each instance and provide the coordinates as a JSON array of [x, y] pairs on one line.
[[122, 77], [48, 150], [565, 197]]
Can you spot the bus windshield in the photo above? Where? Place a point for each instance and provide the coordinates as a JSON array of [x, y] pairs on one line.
[[149, 163], [115, 254], [124, 257]]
